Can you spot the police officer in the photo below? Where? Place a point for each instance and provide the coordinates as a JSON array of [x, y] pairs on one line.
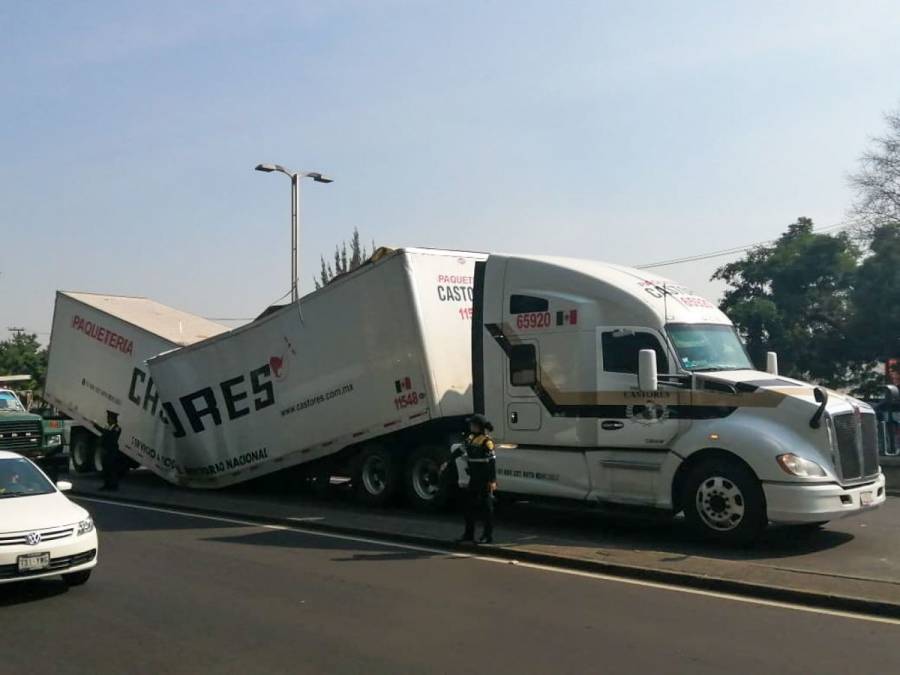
[[478, 500], [109, 446]]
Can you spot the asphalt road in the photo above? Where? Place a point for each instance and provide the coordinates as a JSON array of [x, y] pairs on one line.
[[183, 594]]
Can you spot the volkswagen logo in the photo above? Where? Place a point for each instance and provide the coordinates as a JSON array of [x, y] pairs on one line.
[[33, 538]]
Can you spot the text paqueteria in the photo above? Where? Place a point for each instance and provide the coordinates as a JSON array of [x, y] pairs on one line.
[[103, 335]]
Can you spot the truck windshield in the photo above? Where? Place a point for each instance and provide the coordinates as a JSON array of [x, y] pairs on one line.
[[8, 401], [19, 478], [708, 347]]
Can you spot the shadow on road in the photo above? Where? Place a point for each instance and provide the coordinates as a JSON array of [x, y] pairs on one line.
[[667, 535], [115, 518], [359, 550], [34, 590], [519, 522]]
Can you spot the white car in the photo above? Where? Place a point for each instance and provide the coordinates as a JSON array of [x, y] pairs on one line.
[[42, 533]]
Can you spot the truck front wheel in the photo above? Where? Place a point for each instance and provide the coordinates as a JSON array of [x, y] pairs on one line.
[[724, 501], [376, 477]]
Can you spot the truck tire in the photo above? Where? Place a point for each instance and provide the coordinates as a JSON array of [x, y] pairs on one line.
[[376, 476], [426, 488], [82, 451], [724, 502], [98, 460], [77, 578]]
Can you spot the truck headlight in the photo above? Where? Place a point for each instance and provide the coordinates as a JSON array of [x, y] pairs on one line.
[[85, 526], [797, 466], [54, 440]]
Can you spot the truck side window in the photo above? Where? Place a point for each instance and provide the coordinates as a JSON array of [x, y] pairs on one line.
[[621, 348], [522, 365], [526, 304]]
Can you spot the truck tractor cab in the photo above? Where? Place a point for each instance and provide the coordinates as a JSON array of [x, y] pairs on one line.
[[30, 435], [606, 384]]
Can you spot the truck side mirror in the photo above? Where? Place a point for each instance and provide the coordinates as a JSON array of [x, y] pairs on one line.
[[647, 375], [772, 363], [891, 394]]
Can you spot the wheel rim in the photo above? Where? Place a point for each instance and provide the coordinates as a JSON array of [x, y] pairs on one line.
[[98, 461], [374, 474], [720, 503], [425, 478]]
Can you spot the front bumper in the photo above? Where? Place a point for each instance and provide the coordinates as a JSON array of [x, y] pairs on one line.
[[798, 503], [72, 554]]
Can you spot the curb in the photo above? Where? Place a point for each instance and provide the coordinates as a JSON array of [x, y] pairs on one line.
[[735, 587]]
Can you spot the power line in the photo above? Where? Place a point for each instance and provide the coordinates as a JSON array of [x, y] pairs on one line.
[[724, 252]]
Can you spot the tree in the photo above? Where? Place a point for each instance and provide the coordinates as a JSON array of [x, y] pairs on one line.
[[794, 298], [876, 297], [877, 183], [344, 260], [22, 354]]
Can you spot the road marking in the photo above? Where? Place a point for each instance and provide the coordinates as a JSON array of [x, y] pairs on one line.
[[503, 561]]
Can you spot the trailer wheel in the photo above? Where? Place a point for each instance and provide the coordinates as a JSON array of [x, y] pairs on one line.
[[724, 502], [82, 452], [426, 488], [376, 477], [98, 460]]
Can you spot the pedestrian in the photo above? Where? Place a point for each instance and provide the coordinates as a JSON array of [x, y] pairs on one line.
[[481, 465], [109, 447]]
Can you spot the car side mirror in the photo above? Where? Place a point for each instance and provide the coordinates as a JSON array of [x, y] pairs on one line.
[[648, 378], [63, 485]]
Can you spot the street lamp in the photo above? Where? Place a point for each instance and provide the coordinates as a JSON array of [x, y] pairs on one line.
[[295, 177]]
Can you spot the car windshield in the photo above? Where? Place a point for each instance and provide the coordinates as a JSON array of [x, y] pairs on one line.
[[708, 347], [19, 478], [8, 401]]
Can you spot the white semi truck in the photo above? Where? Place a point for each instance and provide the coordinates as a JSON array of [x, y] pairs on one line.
[[605, 385]]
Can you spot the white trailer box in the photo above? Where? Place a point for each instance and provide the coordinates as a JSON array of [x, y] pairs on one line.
[[98, 350], [383, 348]]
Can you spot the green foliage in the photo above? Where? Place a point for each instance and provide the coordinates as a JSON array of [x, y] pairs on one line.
[[22, 354], [795, 298], [345, 260], [876, 296]]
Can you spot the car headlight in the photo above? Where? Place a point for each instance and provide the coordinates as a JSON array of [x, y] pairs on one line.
[[54, 440], [797, 466], [85, 526]]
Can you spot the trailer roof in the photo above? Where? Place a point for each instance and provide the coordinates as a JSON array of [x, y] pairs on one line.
[[169, 323]]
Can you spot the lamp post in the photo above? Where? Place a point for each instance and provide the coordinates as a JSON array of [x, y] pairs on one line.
[[295, 177]]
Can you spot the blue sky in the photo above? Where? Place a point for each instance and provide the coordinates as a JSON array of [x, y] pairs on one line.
[[626, 132]]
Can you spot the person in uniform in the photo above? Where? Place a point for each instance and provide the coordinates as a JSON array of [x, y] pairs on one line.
[[109, 446], [478, 495]]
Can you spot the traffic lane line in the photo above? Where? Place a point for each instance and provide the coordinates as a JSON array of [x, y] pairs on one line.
[[597, 576]]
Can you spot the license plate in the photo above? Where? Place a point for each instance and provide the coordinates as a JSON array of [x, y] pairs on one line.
[[866, 498], [33, 562]]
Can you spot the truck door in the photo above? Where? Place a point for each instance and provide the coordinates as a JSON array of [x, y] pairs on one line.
[[523, 410], [627, 417]]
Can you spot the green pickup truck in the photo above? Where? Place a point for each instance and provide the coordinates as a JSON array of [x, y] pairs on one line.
[[31, 435]]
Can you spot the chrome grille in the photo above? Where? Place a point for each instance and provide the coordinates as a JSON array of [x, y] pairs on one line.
[[19, 538], [17, 436], [869, 445], [857, 445]]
